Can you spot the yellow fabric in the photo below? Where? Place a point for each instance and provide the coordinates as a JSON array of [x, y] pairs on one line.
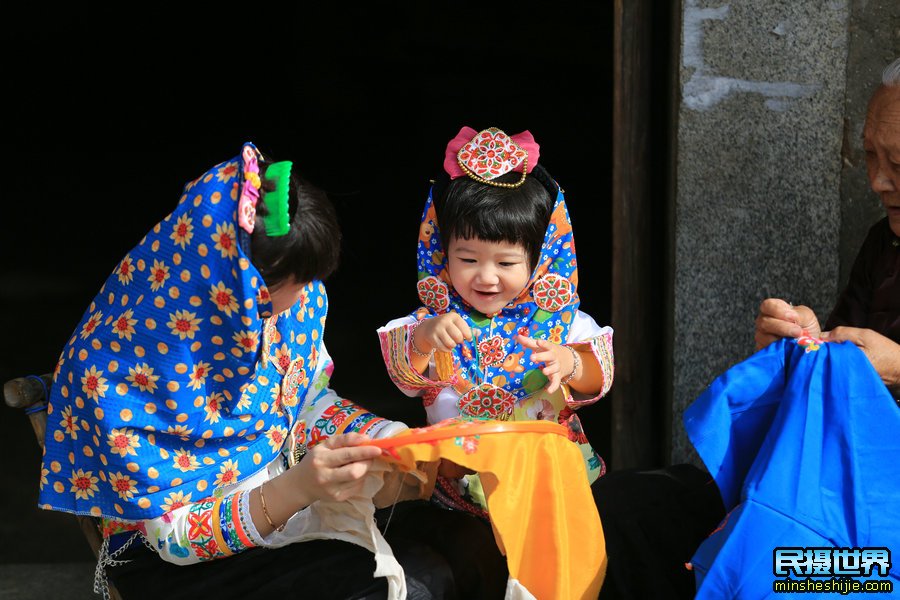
[[543, 516]]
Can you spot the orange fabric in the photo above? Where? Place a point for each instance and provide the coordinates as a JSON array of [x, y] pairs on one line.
[[543, 516]]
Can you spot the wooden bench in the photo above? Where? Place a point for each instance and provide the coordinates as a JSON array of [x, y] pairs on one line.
[[30, 394]]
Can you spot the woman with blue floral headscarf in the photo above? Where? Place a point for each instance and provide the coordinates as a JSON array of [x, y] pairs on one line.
[[191, 412]]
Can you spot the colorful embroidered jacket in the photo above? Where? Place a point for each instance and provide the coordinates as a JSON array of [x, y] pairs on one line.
[[494, 377], [441, 391]]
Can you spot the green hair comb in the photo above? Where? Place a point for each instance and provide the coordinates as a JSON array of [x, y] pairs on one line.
[[277, 222]]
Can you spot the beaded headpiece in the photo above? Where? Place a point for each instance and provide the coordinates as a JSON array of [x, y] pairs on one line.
[[488, 154]]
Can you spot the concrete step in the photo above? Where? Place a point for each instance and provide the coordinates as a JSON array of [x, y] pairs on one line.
[[47, 581]]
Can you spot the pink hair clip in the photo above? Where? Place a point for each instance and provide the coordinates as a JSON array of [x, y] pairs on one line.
[[249, 191]]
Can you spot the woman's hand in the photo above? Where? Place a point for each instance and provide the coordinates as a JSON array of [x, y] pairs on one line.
[[777, 319], [334, 469], [882, 352]]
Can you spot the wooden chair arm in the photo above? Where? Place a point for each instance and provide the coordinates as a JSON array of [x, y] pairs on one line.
[[23, 392], [30, 394]]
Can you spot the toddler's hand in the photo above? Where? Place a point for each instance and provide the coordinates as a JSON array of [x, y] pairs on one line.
[[441, 333], [557, 360]]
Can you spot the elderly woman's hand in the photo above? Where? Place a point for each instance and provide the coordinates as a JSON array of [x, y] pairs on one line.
[[777, 319], [882, 352]]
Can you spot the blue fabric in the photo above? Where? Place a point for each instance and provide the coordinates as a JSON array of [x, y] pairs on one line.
[[167, 390], [803, 443]]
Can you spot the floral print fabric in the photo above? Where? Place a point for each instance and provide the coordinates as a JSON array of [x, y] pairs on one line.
[[178, 381]]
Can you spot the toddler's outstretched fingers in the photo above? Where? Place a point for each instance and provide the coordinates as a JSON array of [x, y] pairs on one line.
[[551, 372], [463, 327], [554, 383], [529, 342]]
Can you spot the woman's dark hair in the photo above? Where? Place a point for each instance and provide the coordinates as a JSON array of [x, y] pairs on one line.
[[469, 209], [311, 249]]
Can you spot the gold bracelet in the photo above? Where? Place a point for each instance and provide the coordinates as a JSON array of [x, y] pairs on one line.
[[262, 500], [576, 361]]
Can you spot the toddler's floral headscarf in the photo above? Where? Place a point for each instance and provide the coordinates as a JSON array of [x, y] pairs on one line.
[[544, 309]]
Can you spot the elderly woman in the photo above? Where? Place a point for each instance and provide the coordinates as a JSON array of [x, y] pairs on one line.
[[799, 436], [868, 311]]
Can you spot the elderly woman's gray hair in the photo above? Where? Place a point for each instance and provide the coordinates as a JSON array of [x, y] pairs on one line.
[[891, 75]]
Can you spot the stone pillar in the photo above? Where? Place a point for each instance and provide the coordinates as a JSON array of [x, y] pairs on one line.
[[758, 176]]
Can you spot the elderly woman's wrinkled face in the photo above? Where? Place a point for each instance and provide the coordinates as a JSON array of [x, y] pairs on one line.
[[881, 141]]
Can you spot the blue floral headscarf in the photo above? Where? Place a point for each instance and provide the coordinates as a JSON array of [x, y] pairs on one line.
[[169, 387], [494, 370]]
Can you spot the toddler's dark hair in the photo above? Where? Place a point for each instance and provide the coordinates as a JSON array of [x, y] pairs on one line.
[[311, 249], [469, 209]]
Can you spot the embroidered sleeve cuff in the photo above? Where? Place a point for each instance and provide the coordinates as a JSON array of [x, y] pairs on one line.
[[233, 518], [395, 349], [220, 527], [338, 415], [601, 348], [246, 521]]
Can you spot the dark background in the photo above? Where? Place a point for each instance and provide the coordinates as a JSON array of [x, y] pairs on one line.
[[105, 124]]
